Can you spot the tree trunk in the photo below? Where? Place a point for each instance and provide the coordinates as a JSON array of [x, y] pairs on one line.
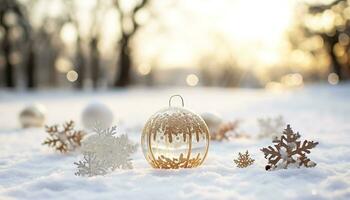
[[336, 66], [95, 58], [31, 80], [52, 57], [9, 68], [81, 69], [124, 64]]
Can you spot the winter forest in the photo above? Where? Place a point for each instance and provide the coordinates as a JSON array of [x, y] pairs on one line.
[[175, 99], [114, 43]]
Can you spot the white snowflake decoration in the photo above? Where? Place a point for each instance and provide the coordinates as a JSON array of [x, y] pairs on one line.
[[90, 166], [103, 153]]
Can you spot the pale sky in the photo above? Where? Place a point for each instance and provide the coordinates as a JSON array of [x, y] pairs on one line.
[[253, 30]]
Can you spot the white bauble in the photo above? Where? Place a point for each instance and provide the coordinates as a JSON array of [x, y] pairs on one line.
[[97, 114], [33, 116], [212, 120]]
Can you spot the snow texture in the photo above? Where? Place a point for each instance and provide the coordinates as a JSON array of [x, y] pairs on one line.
[[29, 170], [271, 127]]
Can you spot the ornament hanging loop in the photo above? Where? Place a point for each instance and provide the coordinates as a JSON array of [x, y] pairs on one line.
[[177, 95]]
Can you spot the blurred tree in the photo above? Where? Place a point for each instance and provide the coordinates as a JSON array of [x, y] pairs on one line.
[[94, 61], [31, 65], [80, 62], [331, 23], [93, 44], [45, 42], [219, 63], [6, 44], [129, 27], [91, 39], [48, 49], [11, 15]]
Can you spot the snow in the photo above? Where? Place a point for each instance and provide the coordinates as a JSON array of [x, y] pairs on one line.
[[29, 170]]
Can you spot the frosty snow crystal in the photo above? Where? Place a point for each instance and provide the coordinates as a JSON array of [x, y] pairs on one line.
[[103, 153]]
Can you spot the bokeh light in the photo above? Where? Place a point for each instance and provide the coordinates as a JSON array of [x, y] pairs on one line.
[[275, 86], [15, 57], [68, 33], [192, 80], [63, 65], [343, 39], [144, 69], [292, 80], [333, 79], [72, 76]]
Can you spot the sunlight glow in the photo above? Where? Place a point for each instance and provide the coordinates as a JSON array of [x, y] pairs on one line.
[[275, 86], [144, 69], [294, 80], [256, 31], [251, 35], [63, 65], [68, 33]]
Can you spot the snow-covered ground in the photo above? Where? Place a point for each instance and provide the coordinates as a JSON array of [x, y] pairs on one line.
[[29, 170]]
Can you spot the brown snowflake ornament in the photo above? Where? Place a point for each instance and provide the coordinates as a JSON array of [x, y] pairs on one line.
[[243, 160], [288, 151], [63, 139]]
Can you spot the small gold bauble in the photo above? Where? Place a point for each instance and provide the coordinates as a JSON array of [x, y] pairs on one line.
[[174, 138]]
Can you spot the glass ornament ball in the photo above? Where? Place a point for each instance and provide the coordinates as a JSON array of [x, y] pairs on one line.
[[33, 116], [175, 137], [97, 113]]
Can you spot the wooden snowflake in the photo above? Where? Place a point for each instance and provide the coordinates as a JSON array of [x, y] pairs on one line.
[[243, 160], [63, 139], [287, 151]]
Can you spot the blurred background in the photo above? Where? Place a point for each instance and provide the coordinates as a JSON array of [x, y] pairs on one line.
[[95, 44]]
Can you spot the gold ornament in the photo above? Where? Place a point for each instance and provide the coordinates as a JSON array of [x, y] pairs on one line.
[[174, 138], [64, 139], [243, 160]]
